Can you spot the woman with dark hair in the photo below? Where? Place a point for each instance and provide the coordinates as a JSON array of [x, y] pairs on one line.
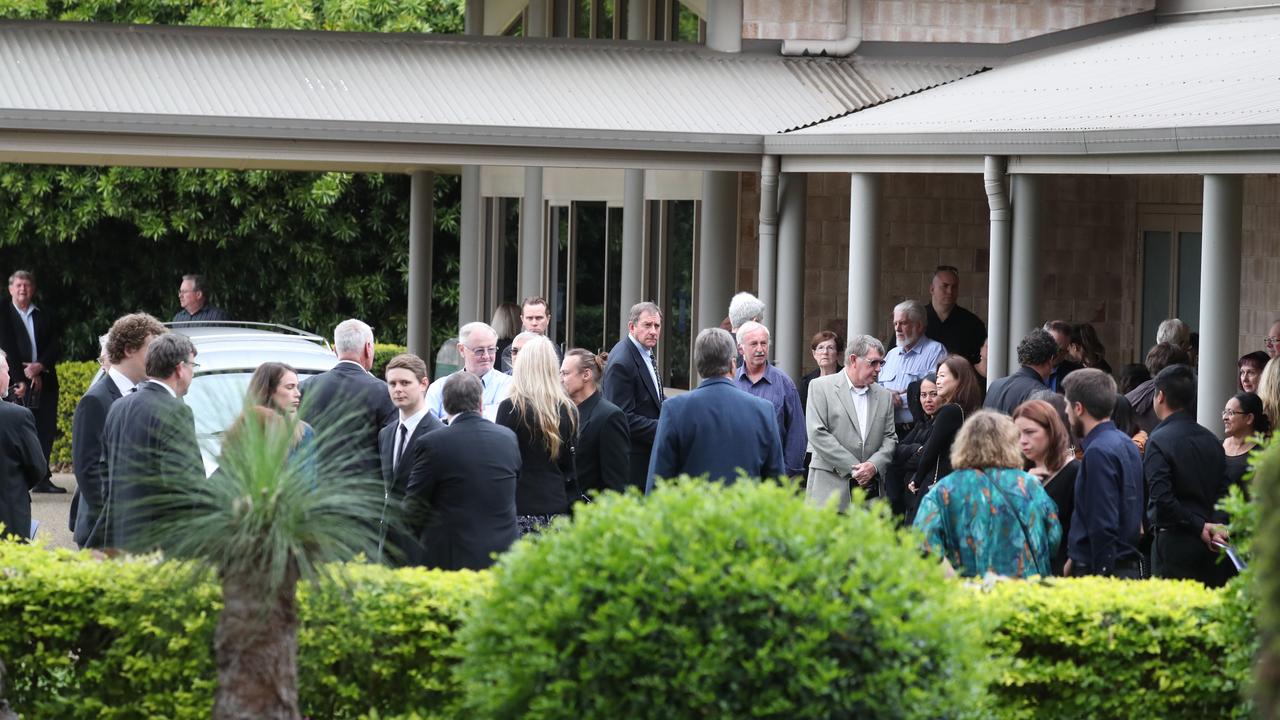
[[1122, 417], [272, 400], [958, 398], [1043, 438], [1131, 376], [1250, 366], [922, 395], [1086, 348], [1243, 420], [827, 349]]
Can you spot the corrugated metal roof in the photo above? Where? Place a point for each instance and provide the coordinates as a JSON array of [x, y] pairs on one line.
[[142, 73], [1173, 86]]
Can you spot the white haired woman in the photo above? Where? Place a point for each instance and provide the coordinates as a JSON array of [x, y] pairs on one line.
[[545, 422]]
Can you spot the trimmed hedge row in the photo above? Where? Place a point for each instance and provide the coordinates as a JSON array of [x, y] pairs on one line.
[[74, 379]]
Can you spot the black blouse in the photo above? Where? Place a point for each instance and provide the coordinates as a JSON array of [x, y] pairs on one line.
[[546, 485], [935, 458], [1061, 489]]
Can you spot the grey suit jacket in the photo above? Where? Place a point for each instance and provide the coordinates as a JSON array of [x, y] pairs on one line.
[[836, 440]]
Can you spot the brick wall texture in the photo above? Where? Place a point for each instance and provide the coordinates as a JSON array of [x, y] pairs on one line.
[[975, 21], [1090, 264]]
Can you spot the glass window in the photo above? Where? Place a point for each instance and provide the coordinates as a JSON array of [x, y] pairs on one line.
[[1157, 253], [1188, 307], [677, 331], [613, 287], [582, 19], [605, 12], [589, 268]]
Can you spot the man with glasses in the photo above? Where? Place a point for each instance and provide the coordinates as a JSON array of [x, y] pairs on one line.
[[850, 427], [149, 442], [478, 345], [1272, 341], [959, 330]]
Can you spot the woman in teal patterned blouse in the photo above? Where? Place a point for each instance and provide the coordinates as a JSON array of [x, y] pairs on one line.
[[988, 515]]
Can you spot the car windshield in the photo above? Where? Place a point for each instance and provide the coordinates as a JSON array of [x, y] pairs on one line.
[[216, 400]]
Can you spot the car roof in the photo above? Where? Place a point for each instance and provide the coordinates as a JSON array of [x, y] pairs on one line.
[[231, 346]]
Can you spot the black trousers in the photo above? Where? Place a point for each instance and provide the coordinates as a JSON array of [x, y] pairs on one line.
[[1179, 555]]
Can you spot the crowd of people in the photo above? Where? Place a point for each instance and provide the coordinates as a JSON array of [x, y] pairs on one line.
[[1054, 469]]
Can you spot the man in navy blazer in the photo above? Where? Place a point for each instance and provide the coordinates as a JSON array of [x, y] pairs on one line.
[[349, 398], [398, 447], [632, 383], [717, 430]]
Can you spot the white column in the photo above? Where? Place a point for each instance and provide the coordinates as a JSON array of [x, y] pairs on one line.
[[724, 26], [1219, 296], [788, 331], [717, 247], [537, 19], [638, 12], [421, 222], [1024, 277], [767, 284], [473, 17], [864, 253], [631, 288], [531, 232], [993, 178], [469, 247]]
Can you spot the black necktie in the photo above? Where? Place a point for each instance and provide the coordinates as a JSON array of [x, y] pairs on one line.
[[400, 437], [653, 363]]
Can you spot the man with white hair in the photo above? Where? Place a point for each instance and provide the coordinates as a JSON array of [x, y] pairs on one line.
[[744, 308], [761, 378], [914, 356], [478, 345], [349, 397]]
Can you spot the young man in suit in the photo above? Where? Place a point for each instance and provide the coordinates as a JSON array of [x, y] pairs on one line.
[[632, 383], [30, 340], [126, 350], [716, 430], [150, 443], [22, 463], [850, 425], [407, 383], [461, 498], [603, 436], [347, 406]]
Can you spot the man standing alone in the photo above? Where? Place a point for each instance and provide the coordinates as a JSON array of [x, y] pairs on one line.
[[30, 340], [195, 306], [959, 330]]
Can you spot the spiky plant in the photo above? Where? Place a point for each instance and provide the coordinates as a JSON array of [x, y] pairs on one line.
[[273, 514]]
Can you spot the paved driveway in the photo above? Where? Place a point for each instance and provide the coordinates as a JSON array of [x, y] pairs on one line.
[[51, 512]]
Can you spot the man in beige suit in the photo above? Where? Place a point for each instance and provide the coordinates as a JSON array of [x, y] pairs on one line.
[[850, 426]]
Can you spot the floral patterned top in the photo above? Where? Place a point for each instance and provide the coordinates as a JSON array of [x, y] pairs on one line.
[[998, 520]]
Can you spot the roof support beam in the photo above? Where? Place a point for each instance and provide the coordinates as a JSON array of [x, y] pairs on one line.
[[767, 277], [864, 254], [469, 247], [1024, 276], [633, 219], [1219, 296], [717, 247], [789, 337], [421, 224]]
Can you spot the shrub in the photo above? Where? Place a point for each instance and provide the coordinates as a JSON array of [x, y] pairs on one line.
[[1266, 567], [1106, 648], [707, 601], [73, 383], [382, 354], [86, 638]]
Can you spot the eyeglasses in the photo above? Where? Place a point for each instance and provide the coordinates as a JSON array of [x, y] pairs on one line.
[[191, 364], [1270, 341], [491, 350], [1232, 413], [873, 363]]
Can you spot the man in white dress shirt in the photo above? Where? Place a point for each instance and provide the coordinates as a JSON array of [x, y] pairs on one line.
[[478, 344]]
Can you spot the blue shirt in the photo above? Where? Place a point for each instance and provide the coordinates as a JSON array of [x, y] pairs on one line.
[[1106, 522], [497, 386], [649, 362], [778, 389], [903, 367]]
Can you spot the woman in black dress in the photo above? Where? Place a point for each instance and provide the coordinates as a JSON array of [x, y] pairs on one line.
[[922, 395], [545, 422], [1043, 440], [1243, 420], [958, 398]]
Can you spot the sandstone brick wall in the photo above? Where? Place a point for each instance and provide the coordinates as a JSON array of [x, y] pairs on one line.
[[1260, 260], [976, 21]]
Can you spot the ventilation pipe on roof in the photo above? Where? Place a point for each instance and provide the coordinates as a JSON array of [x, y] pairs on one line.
[[832, 48]]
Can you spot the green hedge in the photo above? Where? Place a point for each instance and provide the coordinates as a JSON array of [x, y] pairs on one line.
[[382, 354], [86, 638]]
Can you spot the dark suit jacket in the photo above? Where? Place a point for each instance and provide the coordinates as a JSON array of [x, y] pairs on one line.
[[1186, 472], [348, 407], [461, 499], [22, 466], [716, 430], [17, 345], [604, 440], [396, 478], [628, 384], [1007, 393], [150, 445], [88, 462]]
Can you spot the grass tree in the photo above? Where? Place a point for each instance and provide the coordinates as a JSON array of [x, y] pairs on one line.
[[275, 513]]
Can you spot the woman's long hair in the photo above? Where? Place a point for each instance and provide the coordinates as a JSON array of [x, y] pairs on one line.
[[967, 393], [538, 396], [262, 386], [1044, 415], [1269, 391]]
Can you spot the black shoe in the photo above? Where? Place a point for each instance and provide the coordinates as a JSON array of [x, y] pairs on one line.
[[47, 486]]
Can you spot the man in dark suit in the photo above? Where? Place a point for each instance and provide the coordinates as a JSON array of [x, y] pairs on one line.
[[603, 437], [716, 430], [397, 444], [126, 349], [632, 383], [150, 444], [30, 340], [1185, 469], [347, 406], [461, 499], [1036, 354], [21, 463]]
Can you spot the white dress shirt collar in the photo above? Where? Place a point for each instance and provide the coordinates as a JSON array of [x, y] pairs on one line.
[[411, 423], [122, 381], [163, 385]]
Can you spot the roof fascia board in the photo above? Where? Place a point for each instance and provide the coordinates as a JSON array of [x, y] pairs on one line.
[[99, 148], [882, 163], [1183, 163]]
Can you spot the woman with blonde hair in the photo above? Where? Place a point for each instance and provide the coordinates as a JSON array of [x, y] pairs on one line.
[[1269, 391], [988, 515], [545, 422]]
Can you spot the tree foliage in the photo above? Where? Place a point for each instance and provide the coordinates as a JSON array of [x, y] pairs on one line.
[[304, 249]]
